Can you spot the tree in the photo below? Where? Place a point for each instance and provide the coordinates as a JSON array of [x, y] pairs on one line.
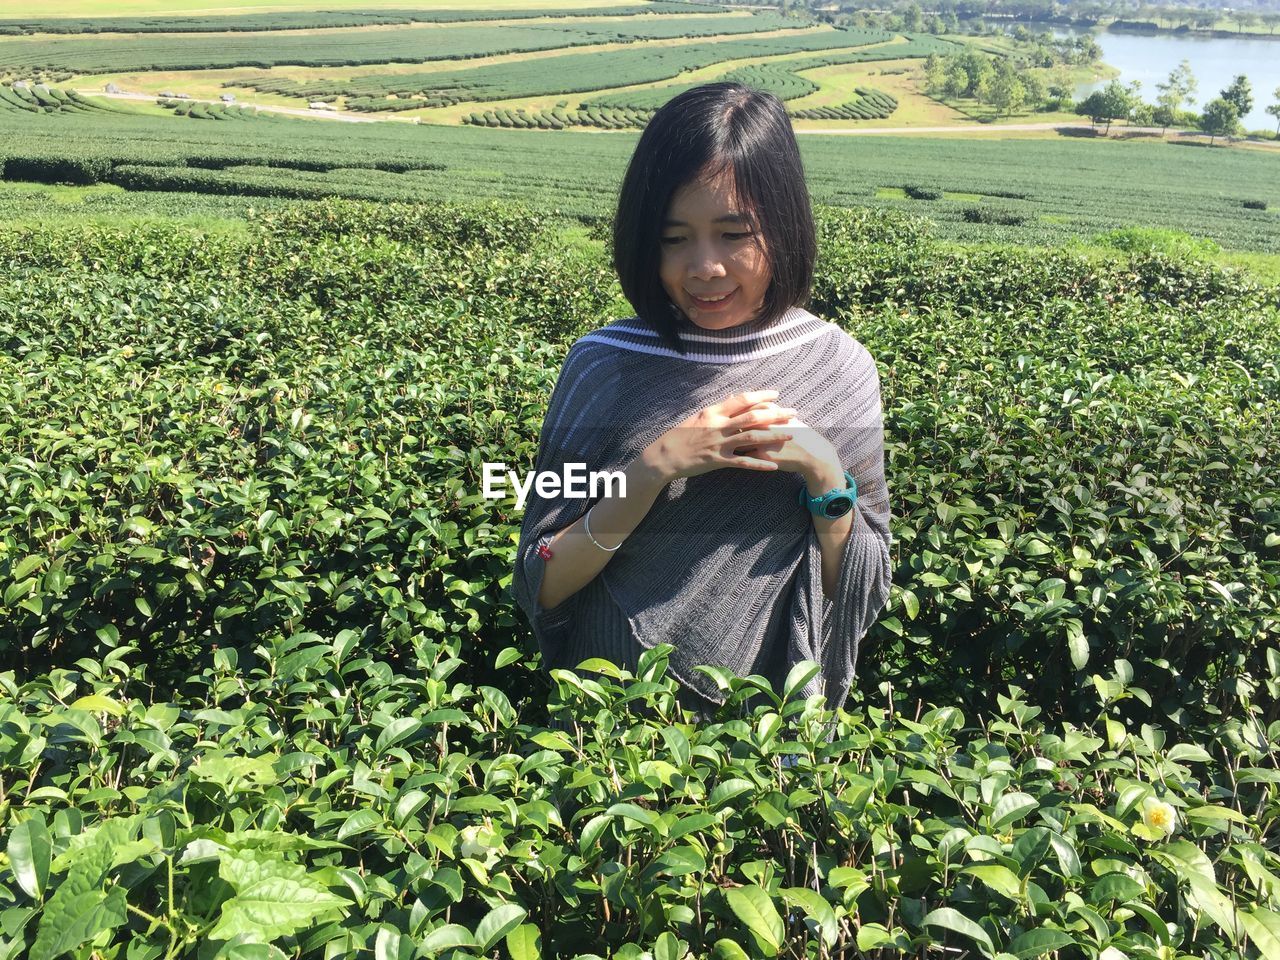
[[1087, 49], [935, 75], [1034, 88], [1007, 92], [1103, 106], [1274, 110], [1180, 87], [1240, 94], [1219, 118], [956, 83], [911, 17], [1243, 19]]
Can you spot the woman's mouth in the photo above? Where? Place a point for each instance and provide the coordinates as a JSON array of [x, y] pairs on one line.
[[713, 304]]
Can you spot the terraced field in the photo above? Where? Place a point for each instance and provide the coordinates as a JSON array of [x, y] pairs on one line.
[[439, 66], [1022, 191]]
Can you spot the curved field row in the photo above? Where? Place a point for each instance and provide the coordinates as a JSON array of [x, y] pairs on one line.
[[323, 19], [356, 47], [564, 73], [869, 105], [43, 99]]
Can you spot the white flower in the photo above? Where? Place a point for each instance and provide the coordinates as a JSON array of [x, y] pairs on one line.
[[1158, 815], [471, 842]]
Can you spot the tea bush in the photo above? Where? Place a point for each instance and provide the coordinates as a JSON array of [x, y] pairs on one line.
[[268, 687]]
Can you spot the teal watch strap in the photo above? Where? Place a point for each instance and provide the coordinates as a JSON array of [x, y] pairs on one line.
[[834, 503]]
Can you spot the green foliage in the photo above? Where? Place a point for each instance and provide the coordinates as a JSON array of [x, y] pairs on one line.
[[312, 20], [1170, 243], [322, 799], [1221, 118], [1153, 185], [993, 214], [269, 694], [917, 192], [202, 50]]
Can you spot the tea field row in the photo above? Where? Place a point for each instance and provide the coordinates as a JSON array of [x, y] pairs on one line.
[[1043, 191], [350, 47], [325, 19]]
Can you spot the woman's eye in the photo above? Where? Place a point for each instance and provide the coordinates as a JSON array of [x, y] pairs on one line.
[[737, 236]]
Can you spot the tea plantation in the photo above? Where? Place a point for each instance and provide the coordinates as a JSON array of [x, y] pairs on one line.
[[266, 694]]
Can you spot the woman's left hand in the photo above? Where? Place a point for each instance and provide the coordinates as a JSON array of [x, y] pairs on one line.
[[808, 452]]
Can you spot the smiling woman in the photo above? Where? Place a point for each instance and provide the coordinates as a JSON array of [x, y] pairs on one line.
[[754, 532]]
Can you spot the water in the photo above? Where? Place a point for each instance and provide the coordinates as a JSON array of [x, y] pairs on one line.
[[1215, 62]]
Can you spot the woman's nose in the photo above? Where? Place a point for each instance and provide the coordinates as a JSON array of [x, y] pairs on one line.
[[707, 263]]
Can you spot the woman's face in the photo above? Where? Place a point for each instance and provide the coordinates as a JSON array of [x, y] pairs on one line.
[[709, 248]]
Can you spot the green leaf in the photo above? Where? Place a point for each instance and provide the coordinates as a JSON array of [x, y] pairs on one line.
[[444, 938], [360, 820], [1077, 644], [30, 850], [817, 909], [24, 567], [724, 792], [799, 675], [1038, 942], [1263, 927], [97, 703], [999, 878], [1115, 886], [599, 665], [728, 950], [957, 922], [275, 907], [509, 655], [754, 907], [668, 947], [397, 730], [499, 921], [1189, 751], [78, 917], [525, 942], [1011, 807]]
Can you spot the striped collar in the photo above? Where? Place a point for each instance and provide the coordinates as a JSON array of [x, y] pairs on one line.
[[747, 341]]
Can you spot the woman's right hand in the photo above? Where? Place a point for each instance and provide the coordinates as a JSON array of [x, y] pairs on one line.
[[707, 440]]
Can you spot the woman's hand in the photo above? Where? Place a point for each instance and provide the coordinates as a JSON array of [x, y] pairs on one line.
[[708, 439], [805, 451]]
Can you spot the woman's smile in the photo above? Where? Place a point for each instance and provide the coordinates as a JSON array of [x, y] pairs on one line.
[[721, 302]]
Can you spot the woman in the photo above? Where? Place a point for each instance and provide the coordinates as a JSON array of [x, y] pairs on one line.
[[754, 532]]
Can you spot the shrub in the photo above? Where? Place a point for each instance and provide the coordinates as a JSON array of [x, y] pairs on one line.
[[922, 193], [1255, 204], [1170, 243], [1001, 216]]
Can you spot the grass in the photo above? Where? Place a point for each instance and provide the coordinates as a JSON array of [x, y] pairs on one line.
[[838, 82], [193, 8], [209, 84]]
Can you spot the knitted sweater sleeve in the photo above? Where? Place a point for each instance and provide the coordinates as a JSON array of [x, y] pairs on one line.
[[866, 571], [568, 435]]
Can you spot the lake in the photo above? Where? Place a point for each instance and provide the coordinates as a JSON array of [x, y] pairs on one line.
[[1215, 61]]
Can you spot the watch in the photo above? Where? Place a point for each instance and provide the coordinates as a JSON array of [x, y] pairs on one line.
[[832, 504]]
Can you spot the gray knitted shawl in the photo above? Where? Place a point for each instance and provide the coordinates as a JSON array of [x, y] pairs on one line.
[[726, 564]]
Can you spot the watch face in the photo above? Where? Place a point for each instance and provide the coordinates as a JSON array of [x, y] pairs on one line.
[[837, 507]]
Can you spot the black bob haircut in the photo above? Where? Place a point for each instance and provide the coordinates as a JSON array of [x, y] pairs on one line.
[[700, 133]]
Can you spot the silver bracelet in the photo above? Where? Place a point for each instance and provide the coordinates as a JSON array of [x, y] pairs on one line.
[[586, 525]]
